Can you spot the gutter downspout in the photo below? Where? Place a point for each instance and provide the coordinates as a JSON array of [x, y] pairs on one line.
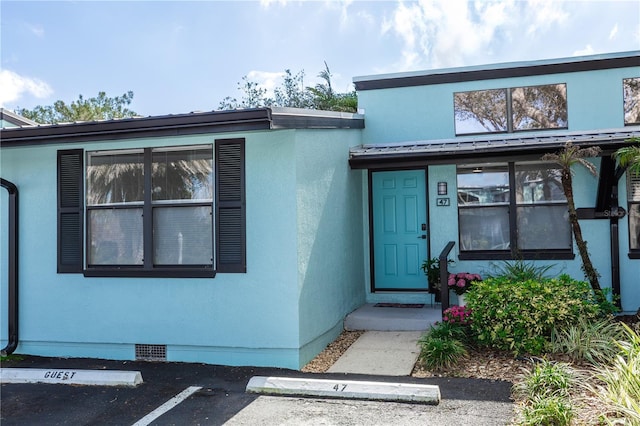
[[12, 343]]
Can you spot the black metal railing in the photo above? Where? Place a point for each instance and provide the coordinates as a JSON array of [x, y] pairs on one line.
[[444, 275]]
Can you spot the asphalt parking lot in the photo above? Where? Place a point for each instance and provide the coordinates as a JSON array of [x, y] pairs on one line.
[[217, 396]]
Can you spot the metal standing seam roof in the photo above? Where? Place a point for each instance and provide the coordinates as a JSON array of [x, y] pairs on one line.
[[493, 144]]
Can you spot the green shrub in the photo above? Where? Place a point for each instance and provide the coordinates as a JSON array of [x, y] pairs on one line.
[[591, 341], [620, 388], [519, 315], [546, 378], [548, 410], [546, 392], [447, 330], [442, 347], [519, 270]]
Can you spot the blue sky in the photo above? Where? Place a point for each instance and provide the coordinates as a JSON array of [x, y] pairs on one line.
[[180, 57]]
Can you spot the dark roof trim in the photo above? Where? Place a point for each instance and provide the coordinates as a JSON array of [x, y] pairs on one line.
[[16, 119], [179, 125], [509, 70], [464, 150], [169, 125]]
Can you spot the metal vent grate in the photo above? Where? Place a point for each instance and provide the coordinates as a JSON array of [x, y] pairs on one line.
[[151, 352]]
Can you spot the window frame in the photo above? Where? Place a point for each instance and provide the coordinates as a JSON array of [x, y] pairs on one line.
[[147, 206], [508, 94], [624, 102], [73, 250], [634, 253], [513, 252]]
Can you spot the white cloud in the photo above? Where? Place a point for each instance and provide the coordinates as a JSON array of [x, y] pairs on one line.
[[266, 80], [447, 33], [13, 86], [36, 30], [614, 32], [588, 50], [442, 32], [267, 3], [543, 14]]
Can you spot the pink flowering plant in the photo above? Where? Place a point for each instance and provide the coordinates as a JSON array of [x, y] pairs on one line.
[[461, 282], [457, 315]]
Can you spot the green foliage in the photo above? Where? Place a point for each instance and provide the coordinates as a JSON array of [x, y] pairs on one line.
[[567, 157], [546, 391], [519, 270], [101, 107], [620, 388], [519, 316], [552, 410], [629, 156], [9, 358], [442, 347], [447, 330], [292, 93], [547, 378], [591, 341], [431, 268]]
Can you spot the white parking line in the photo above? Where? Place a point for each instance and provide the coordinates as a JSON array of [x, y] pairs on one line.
[[146, 420]]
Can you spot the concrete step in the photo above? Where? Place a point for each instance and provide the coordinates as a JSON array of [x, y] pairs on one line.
[[371, 317]]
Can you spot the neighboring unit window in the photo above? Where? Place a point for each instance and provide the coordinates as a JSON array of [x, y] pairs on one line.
[[512, 210], [483, 201], [151, 211], [542, 211], [631, 100], [539, 107], [510, 110], [481, 111], [633, 191]]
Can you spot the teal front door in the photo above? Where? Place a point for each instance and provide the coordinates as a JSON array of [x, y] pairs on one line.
[[399, 212]]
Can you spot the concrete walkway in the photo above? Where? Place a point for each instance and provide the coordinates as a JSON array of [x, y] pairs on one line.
[[385, 353]]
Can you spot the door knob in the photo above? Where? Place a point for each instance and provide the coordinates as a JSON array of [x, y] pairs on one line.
[[422, 237]]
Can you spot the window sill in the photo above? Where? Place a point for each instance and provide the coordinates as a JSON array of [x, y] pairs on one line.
[[155, 273], [634, 255], [502, 255]]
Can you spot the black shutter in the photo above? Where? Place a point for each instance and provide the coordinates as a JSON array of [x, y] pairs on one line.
[[230, 206], [70, 208]]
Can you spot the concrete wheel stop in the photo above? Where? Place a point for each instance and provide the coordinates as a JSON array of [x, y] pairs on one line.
[[345, 389], [71, 377]]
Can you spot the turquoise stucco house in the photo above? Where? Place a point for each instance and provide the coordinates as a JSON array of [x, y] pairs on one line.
[[245, 237]]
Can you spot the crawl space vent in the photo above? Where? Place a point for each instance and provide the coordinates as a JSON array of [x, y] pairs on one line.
[[151, 352]]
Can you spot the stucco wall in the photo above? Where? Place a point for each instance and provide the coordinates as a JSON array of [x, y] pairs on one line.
[[594, 101], [330, 253], [235, 319]]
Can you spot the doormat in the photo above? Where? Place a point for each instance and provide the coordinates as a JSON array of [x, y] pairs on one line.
[[399, 305]]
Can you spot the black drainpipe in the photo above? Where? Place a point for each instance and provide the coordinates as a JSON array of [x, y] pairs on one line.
[[12, 344]]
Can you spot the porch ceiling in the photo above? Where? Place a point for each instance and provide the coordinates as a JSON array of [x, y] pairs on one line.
[[463, 149]]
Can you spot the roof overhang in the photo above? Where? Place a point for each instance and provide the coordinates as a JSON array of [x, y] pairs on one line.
[[15, 119], [472, 149], [179, 125], [502, 70]]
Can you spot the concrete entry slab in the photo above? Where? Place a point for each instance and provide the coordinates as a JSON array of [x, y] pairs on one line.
[[371, 317], [386, 353]]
